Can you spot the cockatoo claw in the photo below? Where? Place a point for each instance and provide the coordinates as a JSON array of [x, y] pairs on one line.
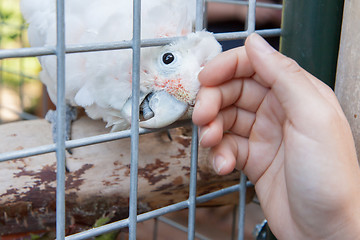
[[147, 113], [166, 108], [158, 109]]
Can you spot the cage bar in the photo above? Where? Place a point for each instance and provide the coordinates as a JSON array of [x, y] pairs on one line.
[[193, 178], [81, 142], [135, 119], [199, 23], [60, 118], [180, 227], [79, 48]]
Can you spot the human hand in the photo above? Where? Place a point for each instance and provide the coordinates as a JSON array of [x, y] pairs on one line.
[[262, 113]]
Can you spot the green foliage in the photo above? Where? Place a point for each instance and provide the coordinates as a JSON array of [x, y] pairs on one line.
[[16, 73], [102, 221], [11, 24], [43, 236], [13, 35]]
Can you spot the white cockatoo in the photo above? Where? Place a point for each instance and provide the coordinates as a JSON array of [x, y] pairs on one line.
[[100, 82]]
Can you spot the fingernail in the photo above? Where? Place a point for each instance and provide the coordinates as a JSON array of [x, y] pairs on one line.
[[261, 44], [218, 163], [202, 132]]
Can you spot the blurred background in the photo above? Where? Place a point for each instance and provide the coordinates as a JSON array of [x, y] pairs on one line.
[[20, 89]]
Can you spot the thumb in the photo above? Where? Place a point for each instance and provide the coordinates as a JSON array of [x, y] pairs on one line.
[[291, 84]]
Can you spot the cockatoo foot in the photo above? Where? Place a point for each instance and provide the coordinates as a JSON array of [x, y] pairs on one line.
[[70, 115], [157, 109], [145, 109], [165, 110]]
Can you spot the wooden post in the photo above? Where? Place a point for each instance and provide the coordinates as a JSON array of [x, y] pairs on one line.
[[347, 87], [310, 35]]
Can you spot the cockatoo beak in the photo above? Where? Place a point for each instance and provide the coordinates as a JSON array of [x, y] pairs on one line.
[[165, 107]]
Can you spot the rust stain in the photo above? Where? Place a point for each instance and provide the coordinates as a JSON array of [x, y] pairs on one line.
[[186, 168], [16, 209], [167, 193], [149, 171], [181, 154], [355, 115], [46, 174], [186, 131], [30, 204], [163, 187], [184, 141], [35, 208], [118, 167], [127, 172], [178, 180], [97, 206], [9, 192], [109, 183], [74, 180], [39, 197], [170, 187], [206, 176], [157, 165], [114, 175]]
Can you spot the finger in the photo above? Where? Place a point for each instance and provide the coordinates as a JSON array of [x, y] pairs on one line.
[[326, 92], [293, 88], [243, 123], [235, 120], [210, 100], [226, 66], [246, 94], [252, 95], [230, 153]]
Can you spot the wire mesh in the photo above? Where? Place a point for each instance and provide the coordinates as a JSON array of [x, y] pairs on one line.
[[61, 50]]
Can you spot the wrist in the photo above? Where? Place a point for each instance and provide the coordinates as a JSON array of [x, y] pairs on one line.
[[345, 224], [349, 225]]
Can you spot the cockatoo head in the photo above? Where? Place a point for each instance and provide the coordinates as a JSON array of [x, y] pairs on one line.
[[169, 79]]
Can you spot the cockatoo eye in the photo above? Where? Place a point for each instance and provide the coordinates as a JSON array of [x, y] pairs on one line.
[[168, 58], [168, 63]]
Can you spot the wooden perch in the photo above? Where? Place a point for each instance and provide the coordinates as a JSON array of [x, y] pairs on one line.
[[98, 182]]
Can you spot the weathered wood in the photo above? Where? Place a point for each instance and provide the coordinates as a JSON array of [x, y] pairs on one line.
[[347, 87], [98, 179]]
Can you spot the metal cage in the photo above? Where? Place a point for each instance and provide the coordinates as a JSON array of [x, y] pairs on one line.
[[60, 50]]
